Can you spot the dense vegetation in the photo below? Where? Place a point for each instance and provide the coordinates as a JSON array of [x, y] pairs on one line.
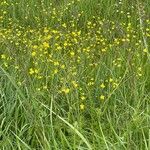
[[74, 74]]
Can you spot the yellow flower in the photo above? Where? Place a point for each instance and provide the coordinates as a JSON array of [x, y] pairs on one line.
[[55, 71], [35, 47], [38, 89], [82, 106], [139, 74], [46, 30], [74, 84], [83, 98], [36, 71], [103, 49], [31, 71], [33, 53], [39, 77], [45, 87], [59, 48], [115, 85], [19, 83], [48, 37], [62, 66], [139, 68], [102, 97], [16, 67], [110, 80], [65, 90], [145, 50], [46, 45], [72, 53], [56, 63], [102, 86], [64, 25], [6, 65], [65, 44], [3, 56], [90, 83]]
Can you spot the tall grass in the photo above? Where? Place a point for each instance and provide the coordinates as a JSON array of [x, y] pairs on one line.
[[74, 74]]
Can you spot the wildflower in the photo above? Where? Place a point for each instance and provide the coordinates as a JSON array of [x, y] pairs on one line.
[[102, 97], [74, 84], [16, 67], [89, 23], [145, 50], [35, 46], [102, 86], [83, 98], [64, 25], [55, 71], [82, 106], [72, 54], [19, 83], [38, 89], [46, 30], [103, 49], [56, 63], [110, 80], [6, 65], [48, 37], [59, 48], [90, 83], [33, 53], [139, 74], [115, 84], [45, 87], [65, 90], [36, 71], [46, 45], [65, 44], [39, 77], [31, 71], [62, 66], [3, 56]]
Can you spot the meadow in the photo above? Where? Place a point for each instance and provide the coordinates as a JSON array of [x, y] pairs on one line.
[[74, 75]]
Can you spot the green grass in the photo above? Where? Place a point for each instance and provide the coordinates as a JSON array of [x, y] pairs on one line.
[[74, 75]]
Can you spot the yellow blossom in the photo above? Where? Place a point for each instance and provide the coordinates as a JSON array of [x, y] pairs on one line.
[[145, 50], [46, 30], [83, 98], [82, 106], [33, 53], [74, 84], [3, 56], [31, 71], [56, 63], [102, 86], [110, 80], [62, 66], [72, 53], [46, 45], [65, 90], [35, 46], [36, 71], [102, 97], [45, 87], [55, 71]]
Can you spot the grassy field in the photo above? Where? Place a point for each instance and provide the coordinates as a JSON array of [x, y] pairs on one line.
[[74, 75]]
